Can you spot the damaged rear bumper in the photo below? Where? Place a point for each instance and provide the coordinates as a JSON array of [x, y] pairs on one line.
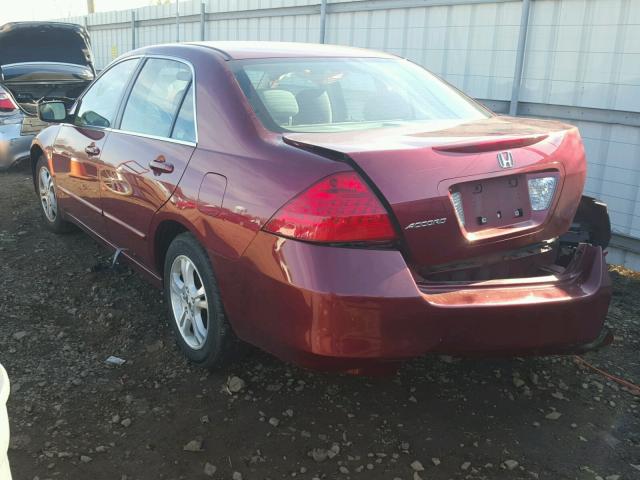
[[330, 307], [539, 315]]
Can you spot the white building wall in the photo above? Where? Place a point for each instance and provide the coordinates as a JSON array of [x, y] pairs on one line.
[[586, 53], [471, 46]]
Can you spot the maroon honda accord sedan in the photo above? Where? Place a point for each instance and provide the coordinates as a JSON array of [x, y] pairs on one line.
[[338, 207]]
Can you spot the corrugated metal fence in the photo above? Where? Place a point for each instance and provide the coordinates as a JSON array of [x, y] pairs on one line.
[[579, 59]]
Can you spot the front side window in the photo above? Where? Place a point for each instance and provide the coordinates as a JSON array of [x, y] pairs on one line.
[[156, 97], [99, 105], [342, 94]]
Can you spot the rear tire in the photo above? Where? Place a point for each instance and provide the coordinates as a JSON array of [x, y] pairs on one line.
[[49, 208], [194, 305]]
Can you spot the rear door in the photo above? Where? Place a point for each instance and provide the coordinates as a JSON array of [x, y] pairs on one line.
[[145, 157], [78, 146]]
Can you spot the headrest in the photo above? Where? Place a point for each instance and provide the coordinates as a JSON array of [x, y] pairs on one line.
[[281, 104], [315, 107]]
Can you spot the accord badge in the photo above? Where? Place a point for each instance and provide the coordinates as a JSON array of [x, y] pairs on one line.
[[426, 223]]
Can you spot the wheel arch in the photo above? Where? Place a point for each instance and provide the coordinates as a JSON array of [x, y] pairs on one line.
[[164, 233], [43, 145], [34, 154]]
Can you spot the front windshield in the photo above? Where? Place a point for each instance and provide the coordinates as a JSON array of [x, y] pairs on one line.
[[343, 94]]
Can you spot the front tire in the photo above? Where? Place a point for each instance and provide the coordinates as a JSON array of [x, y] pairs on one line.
[[49, 208], [194, 305]]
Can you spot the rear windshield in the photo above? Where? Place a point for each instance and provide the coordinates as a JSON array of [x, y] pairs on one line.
[[342, 94]]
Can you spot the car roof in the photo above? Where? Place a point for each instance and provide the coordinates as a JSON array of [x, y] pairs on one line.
[[240, 50]]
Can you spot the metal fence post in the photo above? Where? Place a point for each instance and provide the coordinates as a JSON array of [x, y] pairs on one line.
[[323, 19], [133, 29], [203, 18], [522, 41], [177, 21]]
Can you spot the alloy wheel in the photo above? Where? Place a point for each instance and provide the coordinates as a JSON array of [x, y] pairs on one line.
[[47, 192], [189, 302]]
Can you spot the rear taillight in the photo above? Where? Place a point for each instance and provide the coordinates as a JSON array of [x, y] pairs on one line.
[[6, 102], [338, 209]]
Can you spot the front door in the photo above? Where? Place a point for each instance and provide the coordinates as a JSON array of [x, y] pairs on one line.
[[78, 147], [75, 159], [144, 159]]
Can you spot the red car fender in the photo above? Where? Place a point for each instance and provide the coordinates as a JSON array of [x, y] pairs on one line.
[[42, 143]]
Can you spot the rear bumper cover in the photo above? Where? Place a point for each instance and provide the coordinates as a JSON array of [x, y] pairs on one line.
[[325, 306]]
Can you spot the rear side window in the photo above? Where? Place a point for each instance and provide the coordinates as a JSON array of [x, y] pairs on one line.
[[185, 126], [99, 105], [156, 96]]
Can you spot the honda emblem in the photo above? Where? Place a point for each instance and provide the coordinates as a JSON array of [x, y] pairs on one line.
[[505, 160]]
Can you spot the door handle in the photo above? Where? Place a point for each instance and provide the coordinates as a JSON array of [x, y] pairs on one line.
[[160, 165], [92, 150]]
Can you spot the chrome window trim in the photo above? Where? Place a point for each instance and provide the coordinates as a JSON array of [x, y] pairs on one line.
[[152, 137], [145, 135]]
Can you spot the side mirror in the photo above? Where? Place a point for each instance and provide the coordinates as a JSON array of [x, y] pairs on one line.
[[52, 112]]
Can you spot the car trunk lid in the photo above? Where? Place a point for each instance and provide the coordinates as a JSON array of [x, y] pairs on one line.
[[418, 169]]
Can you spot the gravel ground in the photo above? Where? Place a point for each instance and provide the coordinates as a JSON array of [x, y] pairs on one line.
[[156, 417]]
